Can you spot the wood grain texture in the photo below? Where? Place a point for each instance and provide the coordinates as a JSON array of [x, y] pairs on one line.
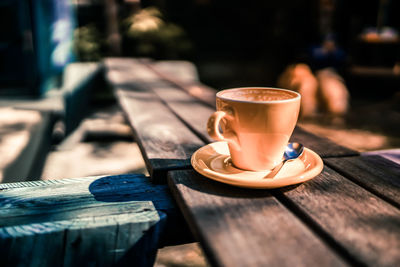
[[74, 198], [193, 113], [165, 141], [183, 75], [322, 146], [379, 175], [88, 241], [5, 186], [241, 227], [190, 110], [390, 154], [363, 226], [92, 221]]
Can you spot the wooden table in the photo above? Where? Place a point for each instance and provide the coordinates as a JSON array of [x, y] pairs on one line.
[[347, 215]]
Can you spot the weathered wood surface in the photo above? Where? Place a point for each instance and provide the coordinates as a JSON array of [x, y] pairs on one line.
[[356, 225], [322, 146], [183, 75], [165, 141], [379, 175], [330, 220], [241, 227], [190, 110], [390, 154], [5, 186], [365, 226], [95, 221]]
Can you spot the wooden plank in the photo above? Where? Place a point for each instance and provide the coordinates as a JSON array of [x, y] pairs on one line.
[[365, 228], [73, 198], [165, 141], [241, 227], [109, 241], [193, 113], [322, 146], [183, 75], [379, 175], [190, 110], [390, 154], [6, 186], [95, 221], [87, 241]]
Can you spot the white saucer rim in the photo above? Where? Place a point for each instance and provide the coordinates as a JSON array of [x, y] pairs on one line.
[[259, 183]]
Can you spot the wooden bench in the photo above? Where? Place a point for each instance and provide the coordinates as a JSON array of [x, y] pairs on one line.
[[348, 215], [94, 221]]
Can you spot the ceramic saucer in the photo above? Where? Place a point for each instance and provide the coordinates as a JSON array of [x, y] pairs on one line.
[[213, 161]]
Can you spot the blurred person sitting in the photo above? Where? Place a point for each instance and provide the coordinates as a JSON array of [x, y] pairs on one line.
[[317, 79], [321, 86]]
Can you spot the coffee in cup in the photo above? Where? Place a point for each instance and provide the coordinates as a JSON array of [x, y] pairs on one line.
[[256, 123]]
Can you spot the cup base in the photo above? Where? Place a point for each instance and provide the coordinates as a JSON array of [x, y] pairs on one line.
[[229, 164]]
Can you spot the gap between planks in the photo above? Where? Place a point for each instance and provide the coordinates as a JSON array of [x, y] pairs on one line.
[[345, 216], [370, 181]]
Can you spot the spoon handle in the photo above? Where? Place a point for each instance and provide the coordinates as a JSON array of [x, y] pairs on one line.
[[275, 170]]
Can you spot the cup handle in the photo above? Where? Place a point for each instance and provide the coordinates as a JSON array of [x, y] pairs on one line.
[[213, 129]]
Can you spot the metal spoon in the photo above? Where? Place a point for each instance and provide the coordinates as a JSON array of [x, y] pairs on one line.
[[292, 151]]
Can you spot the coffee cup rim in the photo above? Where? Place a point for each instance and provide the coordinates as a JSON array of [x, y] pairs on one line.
[[219, 95]]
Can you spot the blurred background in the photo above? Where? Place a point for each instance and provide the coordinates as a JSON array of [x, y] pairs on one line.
[[58, 119]]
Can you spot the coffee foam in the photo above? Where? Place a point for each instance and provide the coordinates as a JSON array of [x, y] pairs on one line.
[[258, 95]]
